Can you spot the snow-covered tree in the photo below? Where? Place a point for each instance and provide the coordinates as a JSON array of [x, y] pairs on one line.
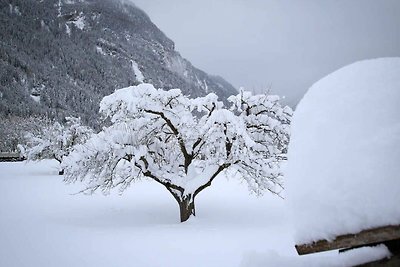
[[56, 141], [183, 143]]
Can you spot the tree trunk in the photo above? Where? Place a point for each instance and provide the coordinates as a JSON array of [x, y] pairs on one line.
[[186, 207], [61, 171]]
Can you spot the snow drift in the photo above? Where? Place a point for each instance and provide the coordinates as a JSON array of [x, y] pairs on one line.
[[343, 169]]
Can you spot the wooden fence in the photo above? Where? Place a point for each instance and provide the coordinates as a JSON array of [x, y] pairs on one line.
[[10, 156]]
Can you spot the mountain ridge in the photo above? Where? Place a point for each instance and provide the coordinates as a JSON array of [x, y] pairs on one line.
[[59, 58]]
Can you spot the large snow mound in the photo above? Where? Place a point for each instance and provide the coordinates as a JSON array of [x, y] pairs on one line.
[[343, 174]]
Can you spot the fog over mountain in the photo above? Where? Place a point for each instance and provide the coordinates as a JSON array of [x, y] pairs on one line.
[[283, 45]]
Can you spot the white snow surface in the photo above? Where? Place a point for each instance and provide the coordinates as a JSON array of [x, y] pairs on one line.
[[80, 22], [44, 223], [35, 98], [67, 29], [343, 170], [138, 74], [349, 258]]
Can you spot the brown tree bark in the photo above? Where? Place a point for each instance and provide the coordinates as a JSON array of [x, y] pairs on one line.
[[186, 207], [185, 202], [61, 171]]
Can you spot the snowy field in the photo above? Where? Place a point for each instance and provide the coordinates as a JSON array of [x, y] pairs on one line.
[[42, 223]]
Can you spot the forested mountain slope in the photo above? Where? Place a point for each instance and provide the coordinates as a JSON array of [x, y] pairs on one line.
[[61, 57]]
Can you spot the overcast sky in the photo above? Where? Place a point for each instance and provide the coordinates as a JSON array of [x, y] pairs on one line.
[[283, 45]]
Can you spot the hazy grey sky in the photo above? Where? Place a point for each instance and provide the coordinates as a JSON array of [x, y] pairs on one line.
[[285, 45]]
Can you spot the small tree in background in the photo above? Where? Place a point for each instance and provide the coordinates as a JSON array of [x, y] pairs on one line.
[[183, 144], [13, 129], [56, 141]]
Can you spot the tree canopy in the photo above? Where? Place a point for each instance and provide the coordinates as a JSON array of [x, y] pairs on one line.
[[183, 143], [55, 141]]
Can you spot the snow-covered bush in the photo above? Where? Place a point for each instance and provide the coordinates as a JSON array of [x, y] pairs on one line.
[[183, 143], [56, 140], [343, 168]]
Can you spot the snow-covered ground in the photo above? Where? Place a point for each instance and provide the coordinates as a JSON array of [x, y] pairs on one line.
[[42, 223]]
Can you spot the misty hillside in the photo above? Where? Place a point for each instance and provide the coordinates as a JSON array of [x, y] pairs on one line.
[[60, 58]]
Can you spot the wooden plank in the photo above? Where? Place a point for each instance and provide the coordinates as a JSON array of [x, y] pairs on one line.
[[10, 156], [366, 237]]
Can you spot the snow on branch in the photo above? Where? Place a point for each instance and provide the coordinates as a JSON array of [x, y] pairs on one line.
[[56, 141], [183, 143]]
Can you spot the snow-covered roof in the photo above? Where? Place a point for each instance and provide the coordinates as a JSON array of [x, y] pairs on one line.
[[343, 173]]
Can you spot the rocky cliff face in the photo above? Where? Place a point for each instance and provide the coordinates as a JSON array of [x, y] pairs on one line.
[[61, 57]]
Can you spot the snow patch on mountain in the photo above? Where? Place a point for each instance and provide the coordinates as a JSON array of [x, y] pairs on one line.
[[100, 50], [138, 74], [177, 65], [78, 21], [36, 98], [67, 30], [15, 10]]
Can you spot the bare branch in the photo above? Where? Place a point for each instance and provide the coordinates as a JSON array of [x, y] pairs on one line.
[[220, 169], [188, 157]]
